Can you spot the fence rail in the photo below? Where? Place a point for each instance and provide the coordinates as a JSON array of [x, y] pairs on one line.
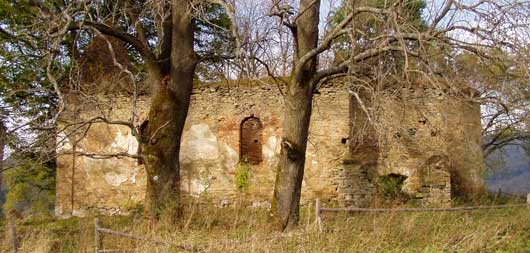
[[319, 210], [99, 230], [98, 239]]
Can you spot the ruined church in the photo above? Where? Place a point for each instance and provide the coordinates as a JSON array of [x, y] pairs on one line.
[[431, 144]]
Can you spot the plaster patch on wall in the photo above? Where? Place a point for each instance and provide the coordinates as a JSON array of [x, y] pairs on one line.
[[63, 143], [200, 144], [270, 150], [230, 157], [115, 179], [194, 187], [125, 142], [198, 186], [79, 213], [59, 211], [92, 167], [135, 173]]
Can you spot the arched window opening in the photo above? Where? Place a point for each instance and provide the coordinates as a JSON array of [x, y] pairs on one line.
[[250, 140]]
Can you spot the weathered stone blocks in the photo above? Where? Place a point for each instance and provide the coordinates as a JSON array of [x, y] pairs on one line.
[[211, 149], [431, 140]]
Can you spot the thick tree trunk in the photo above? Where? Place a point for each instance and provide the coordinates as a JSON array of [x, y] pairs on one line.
[[169, 107], [298, 105], [290, 173]]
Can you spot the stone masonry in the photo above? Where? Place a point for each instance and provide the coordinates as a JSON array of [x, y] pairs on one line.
[[421, 142], [428, 136], [211, 149], [430, 139]]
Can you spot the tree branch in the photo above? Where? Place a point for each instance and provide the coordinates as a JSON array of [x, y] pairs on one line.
[[338, 31], [118, 155], [338, 69], [143, 49]]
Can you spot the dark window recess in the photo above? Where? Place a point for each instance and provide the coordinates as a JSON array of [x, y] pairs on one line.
[[250, 140], [391, 185], [343, 140]]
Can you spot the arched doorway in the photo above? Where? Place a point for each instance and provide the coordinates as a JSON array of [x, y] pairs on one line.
[[250, 140]]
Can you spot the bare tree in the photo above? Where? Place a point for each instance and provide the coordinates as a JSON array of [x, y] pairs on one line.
[[170, 68], [298, 103], [160, 38], [378, 41]]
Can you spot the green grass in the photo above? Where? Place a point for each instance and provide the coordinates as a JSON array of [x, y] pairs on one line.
[[232, 229]]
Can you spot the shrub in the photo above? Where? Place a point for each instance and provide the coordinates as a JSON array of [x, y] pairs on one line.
[[30, 188], [243, 176], [390, 185]]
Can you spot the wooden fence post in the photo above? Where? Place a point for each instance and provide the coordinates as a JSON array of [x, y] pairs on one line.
[[317, 215], [98, 242], [12, 234], [497, 196], [528, 200]]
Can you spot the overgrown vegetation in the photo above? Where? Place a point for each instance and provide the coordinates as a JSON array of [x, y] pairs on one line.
[[372, 42], [31, 188], [390, 186], [236, 229], [390, 189], [243, 176]]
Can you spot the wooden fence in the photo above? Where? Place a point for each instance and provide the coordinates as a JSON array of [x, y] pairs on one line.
[[12, 234], [98, 240], [319, 209], [99, 230]]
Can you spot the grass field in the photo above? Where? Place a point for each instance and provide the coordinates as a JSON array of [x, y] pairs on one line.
[[210, 229]]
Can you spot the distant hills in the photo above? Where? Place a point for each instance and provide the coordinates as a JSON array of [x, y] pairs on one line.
[[509, 170]]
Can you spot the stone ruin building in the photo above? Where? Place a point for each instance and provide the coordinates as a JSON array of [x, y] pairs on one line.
[[432, 142]]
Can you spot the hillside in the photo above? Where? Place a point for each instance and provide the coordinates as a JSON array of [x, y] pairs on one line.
[[510, 171]]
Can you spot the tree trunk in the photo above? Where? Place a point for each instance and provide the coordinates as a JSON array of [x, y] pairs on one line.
[[290, 173], [3, 140], [298, 105], [169, 107]]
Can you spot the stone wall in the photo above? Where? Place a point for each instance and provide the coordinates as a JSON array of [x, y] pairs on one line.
[[430, 137], [355, 184], [210, 148]]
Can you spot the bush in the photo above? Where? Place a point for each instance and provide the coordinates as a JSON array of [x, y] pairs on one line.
[[30, 188], [390, 185], [243, 176]]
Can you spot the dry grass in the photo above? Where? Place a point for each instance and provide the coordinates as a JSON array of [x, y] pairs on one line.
[[211, 229]]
